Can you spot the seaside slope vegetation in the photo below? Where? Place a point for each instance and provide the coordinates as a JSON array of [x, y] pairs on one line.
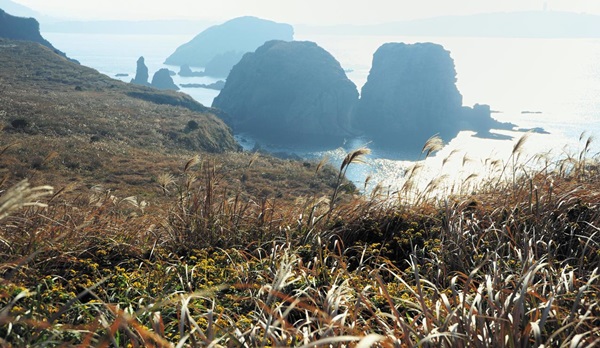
[[186, 248], [67, 125]]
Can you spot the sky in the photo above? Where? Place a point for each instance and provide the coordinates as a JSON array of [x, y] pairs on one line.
[[315, 12]]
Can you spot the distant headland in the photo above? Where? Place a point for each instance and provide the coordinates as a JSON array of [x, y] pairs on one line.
[[25, 29], [220, 47]]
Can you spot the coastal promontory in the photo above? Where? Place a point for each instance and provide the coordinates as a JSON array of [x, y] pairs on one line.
[[289, 93], [24, 29], [411, 95], [230, 39]]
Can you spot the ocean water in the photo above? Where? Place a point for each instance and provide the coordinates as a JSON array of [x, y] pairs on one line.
[[549, 83]]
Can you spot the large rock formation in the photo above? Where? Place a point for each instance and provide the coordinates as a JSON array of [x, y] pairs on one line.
[[141, 73], [162, 80], [411, 94], [24, 29], [289, 93], [235, 37]]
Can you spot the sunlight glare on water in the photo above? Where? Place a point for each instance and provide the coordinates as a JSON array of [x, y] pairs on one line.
[[465, 156]]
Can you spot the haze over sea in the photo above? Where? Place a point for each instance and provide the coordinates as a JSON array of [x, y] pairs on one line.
[[549, 83]]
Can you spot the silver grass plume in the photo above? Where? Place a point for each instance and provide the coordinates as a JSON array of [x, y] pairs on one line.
[[191, 162], [356, 156], [22, 195], [433, 144]]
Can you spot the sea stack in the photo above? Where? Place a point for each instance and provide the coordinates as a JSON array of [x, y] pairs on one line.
[[162, 80], [411, 95], [289, 93], [141, 73]]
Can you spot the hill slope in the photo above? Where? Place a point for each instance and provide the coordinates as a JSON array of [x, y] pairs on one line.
[[25, 29], [53, 96], [67, 125], [51, 105]]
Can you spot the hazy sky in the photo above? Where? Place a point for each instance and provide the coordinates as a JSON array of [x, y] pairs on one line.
[[295, 11]]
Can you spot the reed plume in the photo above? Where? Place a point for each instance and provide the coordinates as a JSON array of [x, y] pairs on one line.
[[253, 159], [356, 156], [433, 144], [164, 181], [449, 156], [519, 144], [191, 162], [22, 195], [321, 163]]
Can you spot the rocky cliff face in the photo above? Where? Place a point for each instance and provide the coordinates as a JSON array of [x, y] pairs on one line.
[[24, 29], [289, 92], [239, 35], [411, 95]]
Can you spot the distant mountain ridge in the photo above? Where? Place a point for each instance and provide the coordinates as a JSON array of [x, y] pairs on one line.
[[535, 24], [527, 24], [530, 24], [153, 27], [17, 9]]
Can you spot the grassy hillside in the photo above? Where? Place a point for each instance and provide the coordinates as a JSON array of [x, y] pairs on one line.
[[43, 93], [147, 244], [67, 125]]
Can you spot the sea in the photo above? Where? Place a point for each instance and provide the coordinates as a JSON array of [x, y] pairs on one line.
[[549, 84]]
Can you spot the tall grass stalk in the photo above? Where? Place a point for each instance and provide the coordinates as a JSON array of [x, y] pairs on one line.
[[355, 156], [22, 195]]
